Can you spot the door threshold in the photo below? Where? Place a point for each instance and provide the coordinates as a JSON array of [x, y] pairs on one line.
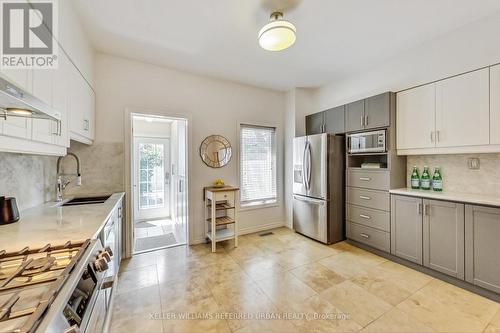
[[158, 248]]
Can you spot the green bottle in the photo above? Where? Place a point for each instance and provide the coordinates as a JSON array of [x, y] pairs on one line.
[[415, 178], [425, 181], [437, 180]]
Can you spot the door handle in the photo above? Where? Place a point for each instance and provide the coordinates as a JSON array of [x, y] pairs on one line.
[[309, 166], [309, 200], [364, 197], [365, 179], [364, 235], [304, 167], [364, 216]]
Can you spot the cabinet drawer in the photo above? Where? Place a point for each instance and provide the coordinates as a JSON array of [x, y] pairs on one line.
[[368, 198], [376, 180], [221, 196], [372, 237], [369, 217]]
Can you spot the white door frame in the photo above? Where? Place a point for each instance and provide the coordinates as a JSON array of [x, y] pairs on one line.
[[152, 213], [128, 230]]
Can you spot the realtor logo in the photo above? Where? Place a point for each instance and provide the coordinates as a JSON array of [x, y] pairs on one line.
[[28, 30]]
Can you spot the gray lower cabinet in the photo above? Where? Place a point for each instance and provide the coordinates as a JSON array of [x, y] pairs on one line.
[[482, 247], [443, 237], [334, 120], [406, 228], [354, 116], [315, 123], [377, 110]]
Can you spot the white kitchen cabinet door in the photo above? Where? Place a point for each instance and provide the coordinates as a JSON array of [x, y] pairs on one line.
[[462, 110], [43, 129], [18, 127], [495, 105], [60, 99], [415, 117], [21, 78]]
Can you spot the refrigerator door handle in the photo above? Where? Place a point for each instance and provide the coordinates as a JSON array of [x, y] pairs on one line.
[[304, 167], [309, 200], [309, 161]]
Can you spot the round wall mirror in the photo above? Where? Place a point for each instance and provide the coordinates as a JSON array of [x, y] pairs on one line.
[[215, 151]]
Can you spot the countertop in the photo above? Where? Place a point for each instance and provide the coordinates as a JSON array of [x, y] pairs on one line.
[[476, 199], [45, 224]]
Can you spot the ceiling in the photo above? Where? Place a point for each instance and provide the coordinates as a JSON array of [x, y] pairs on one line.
[[335, 38]]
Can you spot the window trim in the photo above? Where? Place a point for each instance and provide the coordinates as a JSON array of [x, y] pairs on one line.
[[278, 200]]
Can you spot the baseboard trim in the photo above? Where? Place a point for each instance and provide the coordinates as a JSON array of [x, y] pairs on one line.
[[438, 275], [247, 230]]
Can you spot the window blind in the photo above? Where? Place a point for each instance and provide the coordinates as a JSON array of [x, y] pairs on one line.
[[257, 164]]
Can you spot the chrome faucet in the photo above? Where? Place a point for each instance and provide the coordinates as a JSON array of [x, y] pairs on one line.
[[61, 181]]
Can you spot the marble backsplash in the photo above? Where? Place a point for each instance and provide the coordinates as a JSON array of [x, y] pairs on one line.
[[457, 177], [29, 178], [102, 167]]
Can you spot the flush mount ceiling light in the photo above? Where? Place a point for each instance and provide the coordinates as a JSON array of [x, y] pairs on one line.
[[278, 34]]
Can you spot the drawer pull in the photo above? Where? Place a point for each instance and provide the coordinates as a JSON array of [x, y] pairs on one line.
[[365, 179], [364, 216], [364, 235], [364, 197]]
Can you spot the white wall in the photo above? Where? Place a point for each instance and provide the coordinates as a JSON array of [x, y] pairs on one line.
[[154, 129], [214, 107], [470, 47]]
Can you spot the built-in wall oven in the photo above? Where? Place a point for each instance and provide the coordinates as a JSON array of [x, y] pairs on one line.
[[367, 142]]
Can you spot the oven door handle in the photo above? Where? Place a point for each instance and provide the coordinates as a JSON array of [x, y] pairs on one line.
[[109, 282]]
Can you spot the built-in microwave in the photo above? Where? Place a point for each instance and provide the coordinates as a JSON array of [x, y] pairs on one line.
[[367, 142]]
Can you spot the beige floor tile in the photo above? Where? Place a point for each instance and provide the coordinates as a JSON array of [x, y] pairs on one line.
[[284, 289], [136, 279], [496, 320], [315, 314], [317, 276], [362, 306], [198, 316], [349, 264], [405, 277], [292, 258], [272, 326], [181, 295], [133, 311], [245, 252], [446, 308], [138, 261], [396, 321], [261, 268]]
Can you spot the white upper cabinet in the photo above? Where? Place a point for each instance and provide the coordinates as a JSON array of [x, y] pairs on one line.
[[416, 110], [60, 99], [495, 105], [462, 110], [81, 105], [455, 115]]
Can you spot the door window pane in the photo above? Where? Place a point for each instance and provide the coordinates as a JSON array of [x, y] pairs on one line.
[[152, 176]]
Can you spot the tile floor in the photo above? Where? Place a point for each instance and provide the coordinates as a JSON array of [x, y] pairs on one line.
[[288, 283]]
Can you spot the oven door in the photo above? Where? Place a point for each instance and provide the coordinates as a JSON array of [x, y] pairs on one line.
[[100, 319]]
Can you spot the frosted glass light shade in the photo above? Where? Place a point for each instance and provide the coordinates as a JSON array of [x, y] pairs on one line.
[[277, 35]]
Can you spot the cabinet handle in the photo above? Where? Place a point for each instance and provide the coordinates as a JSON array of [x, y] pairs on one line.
[[419, 209], [364, 197], [58, 131], [366, 120], [362, 121], [364, 216], [365, 179], [438, 136], [364, 235], [426, 210], [432, 136], [85, 125]]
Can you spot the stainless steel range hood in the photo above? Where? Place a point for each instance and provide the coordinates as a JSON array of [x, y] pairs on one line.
[[14, 102]]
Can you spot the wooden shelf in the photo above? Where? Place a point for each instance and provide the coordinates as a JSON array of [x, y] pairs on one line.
[[221, 206], [223, 220]]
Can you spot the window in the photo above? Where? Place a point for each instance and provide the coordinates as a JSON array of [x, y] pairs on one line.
[[257, 165]]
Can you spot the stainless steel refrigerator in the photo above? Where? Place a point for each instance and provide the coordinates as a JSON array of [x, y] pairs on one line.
[[319, 187]]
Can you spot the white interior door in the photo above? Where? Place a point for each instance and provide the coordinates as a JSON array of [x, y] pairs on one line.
[[151, 178]]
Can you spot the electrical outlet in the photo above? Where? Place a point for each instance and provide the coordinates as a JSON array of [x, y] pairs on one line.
[[473, 163]]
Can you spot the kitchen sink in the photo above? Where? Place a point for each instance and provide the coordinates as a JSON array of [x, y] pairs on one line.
[[86, 200]]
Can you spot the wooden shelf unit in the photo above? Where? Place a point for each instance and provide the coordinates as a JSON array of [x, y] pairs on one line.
[[220, 214]]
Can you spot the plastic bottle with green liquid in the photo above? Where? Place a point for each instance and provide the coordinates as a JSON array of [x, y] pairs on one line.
[[415, 178], [437, 180], [425, 180]]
